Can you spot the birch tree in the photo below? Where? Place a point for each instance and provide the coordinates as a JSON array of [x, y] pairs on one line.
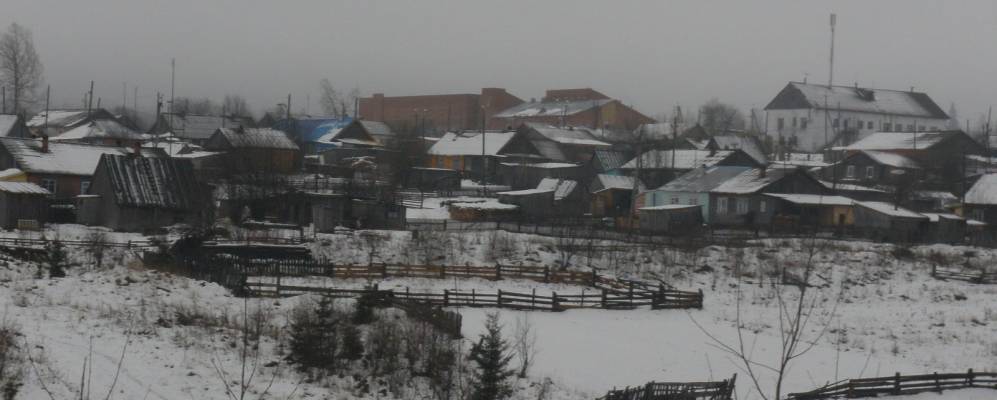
[[20, 67]]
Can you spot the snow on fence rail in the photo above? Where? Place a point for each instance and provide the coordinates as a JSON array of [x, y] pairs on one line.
[[609, 293], [28, 242], [900, 384], [722, 390], [979, 277]]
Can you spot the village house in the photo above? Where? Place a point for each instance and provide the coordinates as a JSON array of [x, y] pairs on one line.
[[64, 169], [23, 205], [308, 132], [939, 155], [257, 150], [477, 154], [107, 132], [437, 113], [13, 126], [575, 145], [747, 143], [197, 129], [135, 193], [55, 122], [888, 222], [528, 175], [811, 117], [612, 195], [657, 167], [980, 202], [573, 107], [873, 168], [552, 198]]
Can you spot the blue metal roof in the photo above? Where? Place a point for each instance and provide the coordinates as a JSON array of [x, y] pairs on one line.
[[306, 130]]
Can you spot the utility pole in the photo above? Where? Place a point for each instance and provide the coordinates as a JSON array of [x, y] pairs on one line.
[[830, 70], [89, 99], [124, 96], [173, 81], [48, 93], [3, 93]]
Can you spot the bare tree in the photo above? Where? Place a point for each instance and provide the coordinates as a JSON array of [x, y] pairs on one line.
[[524, 343], [236, 105], [201, 106], [20, 67], [335, 103], [804, 318], [717, 118]]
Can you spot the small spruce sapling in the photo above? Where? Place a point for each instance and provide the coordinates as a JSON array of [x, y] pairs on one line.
[[491, 357]]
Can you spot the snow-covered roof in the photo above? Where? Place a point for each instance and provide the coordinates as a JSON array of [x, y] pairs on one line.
[[7, 123], [890, 209], [469, 143], [609, 159], [58, 118], [550, 109], [669, 207], [702, 179], [684, 159], [10, 172], [377, 128], [562, 187], [151, 182], [798, 95], [752, 180], [101, 129], [899, 140], [984, 191], [934, 217], [489, 204], [814, 199], [22, 188], [257, 138], [848, 187], [567, 136], [891, 159], [749, 145], [545, 165], [615, 182], [62, 158], [201, 127]]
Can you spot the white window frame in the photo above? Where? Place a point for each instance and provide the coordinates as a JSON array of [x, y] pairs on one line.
[[850, 172], [762, 206], [85, 186], [49, 184], [721, 205], [743, 205], [870, 172]]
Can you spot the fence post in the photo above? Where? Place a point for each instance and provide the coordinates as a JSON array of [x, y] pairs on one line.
[[603, 298], [595, 277], [498, 271], [938, 387], [556, 306], [384, 270], [700, 305], [896, 383], [474, 299], [499, 299], [969, 377], [332, 270], [630, 293], [446, 297], [546, 274], [934, 270], [533, 300], [443, 271]]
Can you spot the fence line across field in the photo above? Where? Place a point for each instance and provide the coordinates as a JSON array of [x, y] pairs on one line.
[[982, 277], [722, 390], [900, 384]]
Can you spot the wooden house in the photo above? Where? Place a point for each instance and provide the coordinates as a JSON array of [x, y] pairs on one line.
[[658, 167], [476, 154], [134, 193], [980, 202], [873, 168], [255, 150], [885, 221], [197, 129], [576, 145], [741, 200], [612, 195], [673, 219], [64, 169], [945, 228], [528, 175], [22, 205]]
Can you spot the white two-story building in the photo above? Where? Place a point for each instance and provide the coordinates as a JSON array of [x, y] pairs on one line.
[[809, 117]]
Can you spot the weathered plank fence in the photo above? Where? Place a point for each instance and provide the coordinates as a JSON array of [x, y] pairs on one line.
[[975, 277], [722, 390], [900, 384]]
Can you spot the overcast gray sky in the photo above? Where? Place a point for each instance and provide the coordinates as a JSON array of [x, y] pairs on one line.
[[651, 54]]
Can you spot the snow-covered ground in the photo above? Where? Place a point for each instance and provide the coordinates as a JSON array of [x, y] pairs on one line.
[[892, 316]]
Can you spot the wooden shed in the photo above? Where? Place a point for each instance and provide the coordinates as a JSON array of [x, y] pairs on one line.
[[22, 204], [807, 210], [945, 228], [884, 221], [671, 219]]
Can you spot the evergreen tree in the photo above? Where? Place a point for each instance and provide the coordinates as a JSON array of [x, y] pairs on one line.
[[55, 257], [491, 357], [352, 347], [363, 312], [313, 337]]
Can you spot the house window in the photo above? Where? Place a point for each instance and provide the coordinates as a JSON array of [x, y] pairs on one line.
[[85, 187], [780, 123], [675, 200], [721, 206], [870, 172], [910, 128], [49, 184], [870, 125], [762, 206], [742, 206], [803, 123], [794, 122], [887, 127], [694, 201], [846, 123], [859, 124], [850, 172]]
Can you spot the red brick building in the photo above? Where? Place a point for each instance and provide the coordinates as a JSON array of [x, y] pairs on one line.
[[573, 107], [437, 113]]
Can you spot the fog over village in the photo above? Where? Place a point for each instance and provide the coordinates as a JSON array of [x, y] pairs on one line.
[[461, 200]]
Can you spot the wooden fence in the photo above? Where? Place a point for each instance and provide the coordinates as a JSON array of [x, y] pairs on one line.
[[975, 277], [723, 390], [900, 384], [606, 292]]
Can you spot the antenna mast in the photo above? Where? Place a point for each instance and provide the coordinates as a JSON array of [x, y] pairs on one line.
[[830, 70]]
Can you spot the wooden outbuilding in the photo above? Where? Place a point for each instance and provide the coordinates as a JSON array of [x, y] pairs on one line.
[[22, 205], [885, 221]]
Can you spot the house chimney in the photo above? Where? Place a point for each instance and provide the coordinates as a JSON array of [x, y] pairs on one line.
[[44, 143], [137, 148], [762, 173]]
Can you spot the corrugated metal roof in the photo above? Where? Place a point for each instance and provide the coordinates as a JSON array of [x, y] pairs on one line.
[[684, 159], [891, 159], [470, 143], [257, 138], [752, 180], [550, 109], [7, 123], [201, 127], [22, 188], [749, 145], [702, 179], [890, 209], [151, 182]]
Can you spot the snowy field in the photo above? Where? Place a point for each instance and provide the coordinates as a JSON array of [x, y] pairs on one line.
[[892, 317]]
